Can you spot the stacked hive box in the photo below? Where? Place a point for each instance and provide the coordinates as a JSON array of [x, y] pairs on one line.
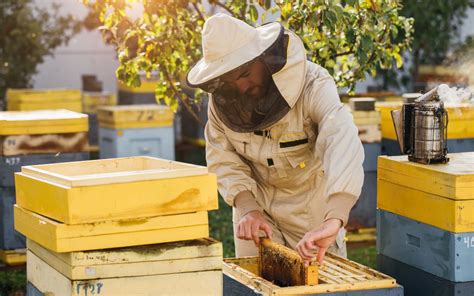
[[33, 137], [337, 277], [425, 220], [126, 226], [367, 121], [136, 130], [35, 99], [460, 127], [91, 101], [143, 94]]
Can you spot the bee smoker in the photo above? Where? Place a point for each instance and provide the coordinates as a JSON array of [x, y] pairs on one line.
[[421, 129]]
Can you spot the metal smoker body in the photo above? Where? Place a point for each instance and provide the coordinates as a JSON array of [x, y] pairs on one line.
[[421, 129]]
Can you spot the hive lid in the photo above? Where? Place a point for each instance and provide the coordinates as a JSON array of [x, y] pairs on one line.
[[111, 171], [43, 95], [454, 180], [129, 116], [42, 122]]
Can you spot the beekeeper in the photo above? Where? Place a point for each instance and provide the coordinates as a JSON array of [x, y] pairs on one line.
[[286, 152]]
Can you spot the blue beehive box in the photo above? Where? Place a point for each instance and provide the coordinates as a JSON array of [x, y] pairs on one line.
[[417, 282], [10, 239], [136, 130], [442, 253]]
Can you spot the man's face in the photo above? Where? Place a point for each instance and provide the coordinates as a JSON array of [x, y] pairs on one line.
[[251, 80]]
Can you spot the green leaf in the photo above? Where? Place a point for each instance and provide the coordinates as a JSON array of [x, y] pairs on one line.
[[253, 13]]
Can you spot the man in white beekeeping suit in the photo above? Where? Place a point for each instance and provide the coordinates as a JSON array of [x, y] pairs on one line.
[[286, 152]]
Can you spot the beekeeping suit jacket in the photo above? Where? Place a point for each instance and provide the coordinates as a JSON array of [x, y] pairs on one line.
[[302, 169]]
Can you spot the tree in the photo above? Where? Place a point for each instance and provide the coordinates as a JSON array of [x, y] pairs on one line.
[[27, 35], [436, 32], [348, 37]]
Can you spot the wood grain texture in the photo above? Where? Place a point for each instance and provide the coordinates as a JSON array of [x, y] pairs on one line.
[[60, 238], [44, 144], [284, 267], [336, 274], [135, 116], [48, 280], [175, 257]]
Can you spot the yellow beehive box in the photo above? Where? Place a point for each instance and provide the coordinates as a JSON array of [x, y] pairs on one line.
[[336, 274], [460, 126], [135, 116], [13, 257], [38, 99], [148, 85], [116, 188], [51, 282], [61, 238], [441, 195], [366, 117], [91, 101], [42, 122], [176, 257]]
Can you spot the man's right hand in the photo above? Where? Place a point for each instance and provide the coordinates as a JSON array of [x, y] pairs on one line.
[[250, 224]]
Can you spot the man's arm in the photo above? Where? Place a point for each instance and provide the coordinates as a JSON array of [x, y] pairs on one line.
[[234, 180], [341, 152]]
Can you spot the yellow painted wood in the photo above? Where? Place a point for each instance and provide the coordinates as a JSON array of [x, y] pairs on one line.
[[147, 86], [454, 180], [71, 106], [43, 95], [361, 235], [61, 237], [336, 274], [451, 215], [113, 170], [135, 116], [366, 117], [13, 257], [42, 122], [91, 101], [117, 201], [49, 280], [176, 257]]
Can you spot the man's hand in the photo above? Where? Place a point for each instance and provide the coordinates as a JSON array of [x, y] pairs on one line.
[[250, 224], [318, 240]]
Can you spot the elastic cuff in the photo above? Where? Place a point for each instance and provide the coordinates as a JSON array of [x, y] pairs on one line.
[[245, 203], [339, 205]]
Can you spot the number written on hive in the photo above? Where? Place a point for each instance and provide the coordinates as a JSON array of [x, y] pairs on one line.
[[11, 161], [89, 288], [469, 241]]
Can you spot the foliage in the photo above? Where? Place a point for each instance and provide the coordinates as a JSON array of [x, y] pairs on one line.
[[12, 282], [27, 35], [348, 37], [436, 31]]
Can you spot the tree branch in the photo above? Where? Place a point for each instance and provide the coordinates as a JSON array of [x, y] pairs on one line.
[[198, 11], [183, 100], [226, 8]]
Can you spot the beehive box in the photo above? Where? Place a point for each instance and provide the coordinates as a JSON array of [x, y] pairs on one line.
[[416, 282], [441, 195], [42, 122], [13, 257], [61, 238], [135, 116], [143, 94], [9, 165], [337, 276], [154, 141], [93, 100], [10, 239], [190, 268], [112, 189], [40, 99], [445, 254]]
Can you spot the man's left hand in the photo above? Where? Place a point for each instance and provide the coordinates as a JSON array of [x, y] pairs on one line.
[[318, 240]]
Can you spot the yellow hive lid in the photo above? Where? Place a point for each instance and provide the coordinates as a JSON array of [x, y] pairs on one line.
[[42, 122], [42, 95], [454, 180], [135, 116]]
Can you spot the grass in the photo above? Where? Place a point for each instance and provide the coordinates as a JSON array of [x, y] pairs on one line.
[[12, 282]]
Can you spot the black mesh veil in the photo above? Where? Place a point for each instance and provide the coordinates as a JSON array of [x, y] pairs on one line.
[[242, 113]]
